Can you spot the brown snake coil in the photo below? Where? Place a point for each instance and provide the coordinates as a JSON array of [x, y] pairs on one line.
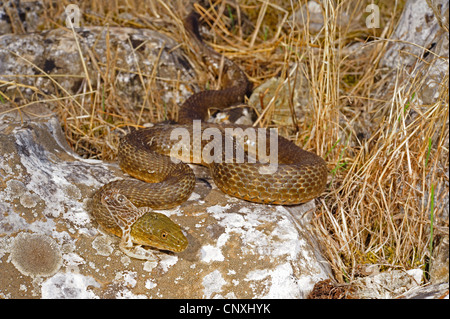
[[143, 154]]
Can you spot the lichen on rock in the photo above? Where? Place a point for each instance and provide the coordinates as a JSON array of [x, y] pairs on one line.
[[35, 255]]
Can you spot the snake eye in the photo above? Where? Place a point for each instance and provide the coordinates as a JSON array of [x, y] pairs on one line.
[[121, 198], [164, 235]]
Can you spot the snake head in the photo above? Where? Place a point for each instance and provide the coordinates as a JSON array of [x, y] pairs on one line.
[[147, 227], [159, 231]]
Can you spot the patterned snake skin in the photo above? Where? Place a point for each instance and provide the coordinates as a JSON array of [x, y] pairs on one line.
[[162, 184]]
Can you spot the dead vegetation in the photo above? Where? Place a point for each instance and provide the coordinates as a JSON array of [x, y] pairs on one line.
[[387, 153]]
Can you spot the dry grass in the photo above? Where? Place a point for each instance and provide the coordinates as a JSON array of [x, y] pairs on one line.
[[387, 153]]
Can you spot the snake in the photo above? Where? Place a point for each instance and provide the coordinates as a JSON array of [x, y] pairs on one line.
[[125, 207]]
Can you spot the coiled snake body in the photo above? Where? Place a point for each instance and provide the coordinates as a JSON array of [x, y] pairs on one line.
[[162, 184]]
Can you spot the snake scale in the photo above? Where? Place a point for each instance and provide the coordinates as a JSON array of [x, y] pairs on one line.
[[123, 207]]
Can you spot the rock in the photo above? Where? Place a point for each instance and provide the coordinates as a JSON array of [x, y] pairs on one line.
[[429, 42], [417, 29], [439, 263], [389, 284], [21, 16], [311, 16], [434, 291], [236, 249], [49, 64]]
